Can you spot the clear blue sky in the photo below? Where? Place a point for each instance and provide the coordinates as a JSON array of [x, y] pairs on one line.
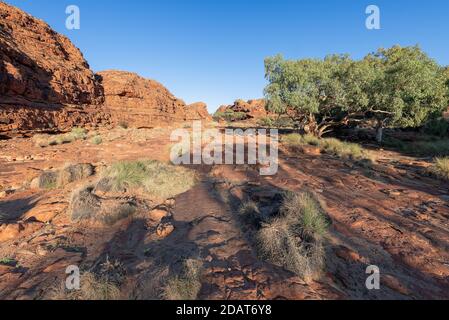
[[213, 51]]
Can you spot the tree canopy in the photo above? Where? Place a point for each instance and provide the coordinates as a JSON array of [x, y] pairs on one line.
[[398, 87]]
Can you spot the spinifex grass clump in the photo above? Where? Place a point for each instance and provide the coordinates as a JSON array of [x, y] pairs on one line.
[[93, 287], [341, 149], [158, 179], [440, 168], [294, 239], [45, 140], [187, 285]]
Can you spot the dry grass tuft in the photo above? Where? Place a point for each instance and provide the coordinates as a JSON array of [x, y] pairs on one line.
[[249, 213], [74, 172], [45, 140], [341, 149], [92, 288], [294, 240], [187, 285], [440, 168], [157, 179]]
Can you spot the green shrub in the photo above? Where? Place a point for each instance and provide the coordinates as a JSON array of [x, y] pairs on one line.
[[266, 122], [96, 140], [230, 116], [45, 140], [425, 147], [47, 180], [437, 127], [249, 214], [280, 122], [78, 134], [8, 262]]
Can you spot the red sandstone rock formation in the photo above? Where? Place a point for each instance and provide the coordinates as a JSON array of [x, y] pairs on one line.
[[141, 102], [46, 84], [254, 109]]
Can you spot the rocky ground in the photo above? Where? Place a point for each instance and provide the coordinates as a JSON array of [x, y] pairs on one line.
[[392, 215]]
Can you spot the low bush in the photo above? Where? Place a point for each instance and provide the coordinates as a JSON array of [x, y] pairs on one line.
[[425, 147], [230, 116], [74, 172], [8, 262], [96, 140], [281, 122], [249, 214], [437, 127]]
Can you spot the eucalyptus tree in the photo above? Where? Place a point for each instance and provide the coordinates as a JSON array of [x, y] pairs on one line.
[[396, 87]]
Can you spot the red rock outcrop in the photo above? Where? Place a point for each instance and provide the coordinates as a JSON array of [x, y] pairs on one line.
[[197, 111], [41, 73], [46, 84], [141, 102], [254, 109]]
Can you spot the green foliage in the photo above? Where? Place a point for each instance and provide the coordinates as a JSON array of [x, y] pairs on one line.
[[426, 147], [78, 133], [123, 125], [278, 122], [400, 87], [8, 262], [230, 116], [97, 140], [437, 127]]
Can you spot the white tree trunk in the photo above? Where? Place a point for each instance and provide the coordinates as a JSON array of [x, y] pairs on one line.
[[380, 134]]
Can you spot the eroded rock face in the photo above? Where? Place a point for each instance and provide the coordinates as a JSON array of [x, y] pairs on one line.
[[39, 65], [254, 109], [45, 82], [139, 102], [197, 111]]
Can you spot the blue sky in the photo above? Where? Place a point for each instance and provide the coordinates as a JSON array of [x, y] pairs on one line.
[[213, 51]]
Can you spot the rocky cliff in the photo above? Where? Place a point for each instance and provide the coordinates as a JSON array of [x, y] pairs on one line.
[[140, 102], [46, 84]]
